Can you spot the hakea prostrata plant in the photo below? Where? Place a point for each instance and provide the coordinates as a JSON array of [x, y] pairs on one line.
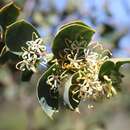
[[81, 74], [77, 70], [82, 70]]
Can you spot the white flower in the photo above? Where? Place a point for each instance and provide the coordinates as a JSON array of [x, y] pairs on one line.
[[32, 55], [89, 66]]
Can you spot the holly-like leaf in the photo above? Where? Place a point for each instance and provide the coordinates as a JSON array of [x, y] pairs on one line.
[[2, 45], [111, 69], [119, 62], [3, 51], [8, 14], [48, 98], [75, 31], [73, 22], [71, 93], [17, 34], [8, 56], [106, 69], [112, 64]]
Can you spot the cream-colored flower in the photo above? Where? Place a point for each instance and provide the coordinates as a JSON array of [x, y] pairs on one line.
[[89, 67], [33, 55]]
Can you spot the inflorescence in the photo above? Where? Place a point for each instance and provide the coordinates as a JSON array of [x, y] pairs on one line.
[[86, 61], [33, 55]]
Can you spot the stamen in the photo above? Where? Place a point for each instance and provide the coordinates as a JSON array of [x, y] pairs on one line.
[[91, 63], [33, 55]]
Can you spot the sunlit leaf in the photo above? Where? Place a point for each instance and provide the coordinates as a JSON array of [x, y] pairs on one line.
[[1, 43], [71, 93], [111, 69], [8, 14], [112, 64], [106, 69], [119, 62], [73, 22], [17, 34], [47, 97], [75, 31]]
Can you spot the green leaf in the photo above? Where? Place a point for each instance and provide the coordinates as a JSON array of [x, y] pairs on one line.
[[116, 78], [17, 34], [8, 56], [1, 43], [112, 64], [8, 14], [26, 75], [75, 31], [46, 96], [73, 22], [3, 51], [75, 77], [119, 62], [106, 69], [111, 69], [71, 93]]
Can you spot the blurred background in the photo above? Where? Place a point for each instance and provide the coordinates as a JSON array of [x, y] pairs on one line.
[[19, 108]]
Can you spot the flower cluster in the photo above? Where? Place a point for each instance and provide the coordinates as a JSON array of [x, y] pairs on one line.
[[86, 62], [90, 86], [32, 55]]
